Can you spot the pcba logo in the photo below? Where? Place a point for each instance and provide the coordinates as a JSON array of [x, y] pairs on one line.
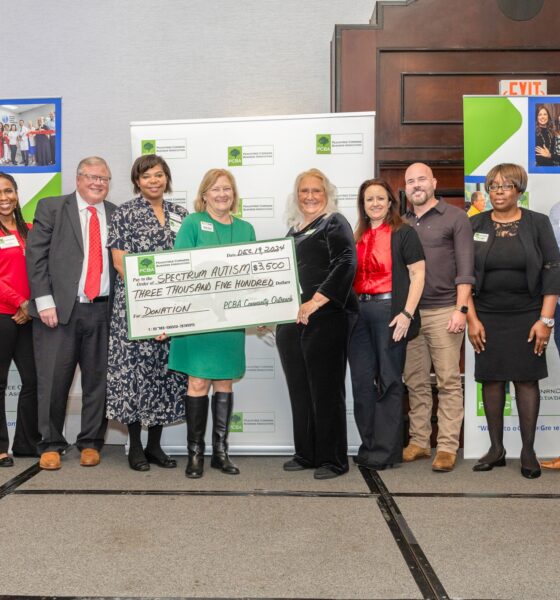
[[146, 265], [236, 423], [480, 404], [148, 146], [323, 143], [235, 156]]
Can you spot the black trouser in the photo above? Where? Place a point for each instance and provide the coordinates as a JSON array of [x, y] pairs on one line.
[[82, 341], [25, 157], [17, 345], [314, 361], [376, 367], [13, 152]]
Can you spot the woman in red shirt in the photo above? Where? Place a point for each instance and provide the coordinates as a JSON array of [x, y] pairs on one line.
[[389, 282], [15, 325]]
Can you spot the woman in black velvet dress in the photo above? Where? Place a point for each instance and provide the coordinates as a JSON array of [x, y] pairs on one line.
[[517, 271], [313, 351]]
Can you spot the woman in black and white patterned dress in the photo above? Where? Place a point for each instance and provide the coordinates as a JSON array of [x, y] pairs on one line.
[[141, 390]]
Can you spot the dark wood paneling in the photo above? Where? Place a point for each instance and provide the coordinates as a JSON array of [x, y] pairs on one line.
[[415, 62]]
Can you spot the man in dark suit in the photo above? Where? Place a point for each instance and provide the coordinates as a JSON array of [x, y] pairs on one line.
[[71, 278]]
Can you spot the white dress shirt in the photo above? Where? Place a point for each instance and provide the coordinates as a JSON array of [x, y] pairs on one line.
[[45, 302]]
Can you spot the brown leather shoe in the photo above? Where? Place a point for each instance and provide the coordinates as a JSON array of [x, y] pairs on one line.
[[554, 463], [414, 452], [50, 461], [444, 461], [89, 457]]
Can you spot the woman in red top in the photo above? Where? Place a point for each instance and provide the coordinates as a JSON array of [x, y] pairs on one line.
[[15, 325], [389, 282]]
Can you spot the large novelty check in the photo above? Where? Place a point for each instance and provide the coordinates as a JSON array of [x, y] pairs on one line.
[[209, 289]]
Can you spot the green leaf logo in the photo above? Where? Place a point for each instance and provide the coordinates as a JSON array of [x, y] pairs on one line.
[[235, 156], [148, 146], [323, 143], [236, 424], [146, 265]]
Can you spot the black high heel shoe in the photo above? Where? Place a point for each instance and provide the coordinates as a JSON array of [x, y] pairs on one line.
[[489, 465]]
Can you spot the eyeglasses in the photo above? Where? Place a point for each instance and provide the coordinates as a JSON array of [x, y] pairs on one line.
[[507, 187], [96, 178]]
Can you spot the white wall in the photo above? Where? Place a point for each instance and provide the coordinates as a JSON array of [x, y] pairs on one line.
[[116, 61]]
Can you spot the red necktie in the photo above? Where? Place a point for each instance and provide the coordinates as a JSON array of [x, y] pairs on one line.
[[95, 258]]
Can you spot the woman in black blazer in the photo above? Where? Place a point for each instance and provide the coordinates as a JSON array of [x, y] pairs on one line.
[[313, 351], [510, 318]]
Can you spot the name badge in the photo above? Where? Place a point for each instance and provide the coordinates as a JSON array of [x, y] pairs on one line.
[[174, 222], [310, 232], [206, 226], [480, 237], [8, 241]]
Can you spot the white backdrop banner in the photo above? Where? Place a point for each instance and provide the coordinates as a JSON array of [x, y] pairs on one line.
[[265, 154], [504, 129]]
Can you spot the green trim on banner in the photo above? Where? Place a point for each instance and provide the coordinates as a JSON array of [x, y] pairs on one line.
[[488, 123], [52, 188]]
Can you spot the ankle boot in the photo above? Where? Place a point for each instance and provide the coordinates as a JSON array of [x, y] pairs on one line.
[[222, 406], [196, 412]]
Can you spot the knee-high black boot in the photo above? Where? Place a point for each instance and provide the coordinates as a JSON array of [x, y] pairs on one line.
[[196, 412], [222, 406]]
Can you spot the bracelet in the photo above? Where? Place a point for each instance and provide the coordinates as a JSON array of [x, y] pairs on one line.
[[407, 314]]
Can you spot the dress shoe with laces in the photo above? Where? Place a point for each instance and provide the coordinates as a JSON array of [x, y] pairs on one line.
[[553, 463], [488, 465], [89, 457], [414, 452], [50, 461], [444, 462], [163, 461], [7, 461]]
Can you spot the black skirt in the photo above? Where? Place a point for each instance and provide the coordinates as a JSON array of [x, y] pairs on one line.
[[508, 355]]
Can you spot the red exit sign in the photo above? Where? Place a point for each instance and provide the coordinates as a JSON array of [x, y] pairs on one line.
[[523, 87]]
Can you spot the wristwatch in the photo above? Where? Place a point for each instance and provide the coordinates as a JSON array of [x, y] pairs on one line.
[[548, 322], [463, 309]]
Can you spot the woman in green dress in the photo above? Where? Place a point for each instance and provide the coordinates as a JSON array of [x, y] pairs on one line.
[[211, 359]]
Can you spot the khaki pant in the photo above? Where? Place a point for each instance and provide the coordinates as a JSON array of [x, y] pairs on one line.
[[435, 345]]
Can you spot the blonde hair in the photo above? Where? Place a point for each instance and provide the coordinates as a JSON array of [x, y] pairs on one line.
[[294, 216], [209, 179]]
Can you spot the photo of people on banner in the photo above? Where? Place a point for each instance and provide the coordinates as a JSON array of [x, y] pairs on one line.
[[28, 136], [544, 135]]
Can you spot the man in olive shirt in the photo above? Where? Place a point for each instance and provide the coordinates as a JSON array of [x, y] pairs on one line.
[[447, 239]]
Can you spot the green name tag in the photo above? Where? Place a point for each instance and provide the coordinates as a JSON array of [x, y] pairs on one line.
[[480, 237]]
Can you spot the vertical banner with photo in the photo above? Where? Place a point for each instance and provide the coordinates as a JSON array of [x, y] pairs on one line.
[[30, 151], [265, 155], [523, 130]]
